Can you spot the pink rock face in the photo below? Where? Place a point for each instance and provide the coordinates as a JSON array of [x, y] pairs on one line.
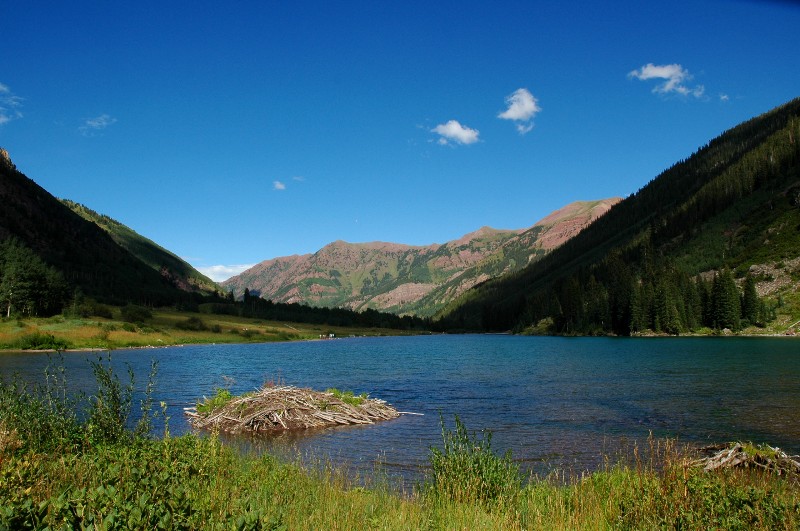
[[394, 277], [565, 223]]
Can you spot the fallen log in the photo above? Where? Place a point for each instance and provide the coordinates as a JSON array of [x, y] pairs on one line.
[[740, 455]]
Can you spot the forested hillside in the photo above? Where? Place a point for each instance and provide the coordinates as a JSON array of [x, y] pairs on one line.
[[69, 254], [165, 262], [688, 250]]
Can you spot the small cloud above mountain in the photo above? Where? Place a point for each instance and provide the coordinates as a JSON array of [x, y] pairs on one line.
[[674, 78], [522, 106]]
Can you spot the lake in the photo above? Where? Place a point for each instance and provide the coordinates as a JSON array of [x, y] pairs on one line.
[[554, 402]]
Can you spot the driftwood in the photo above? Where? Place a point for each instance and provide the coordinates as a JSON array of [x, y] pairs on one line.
[[288, 408], [737, 455]]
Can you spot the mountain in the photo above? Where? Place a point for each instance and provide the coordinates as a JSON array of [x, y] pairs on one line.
[[696, 247], [405, 279], [170, 266], [84, 254]]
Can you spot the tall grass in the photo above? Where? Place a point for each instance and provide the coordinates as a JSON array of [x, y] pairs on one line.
[[467, 470], [59, 469]]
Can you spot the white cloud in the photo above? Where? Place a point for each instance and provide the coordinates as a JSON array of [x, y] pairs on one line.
[[522, 107], [218, 273], [298, 178], [9, 105], [674, 76], [277, 185], [724, 97], [93, 125], [455, 132]]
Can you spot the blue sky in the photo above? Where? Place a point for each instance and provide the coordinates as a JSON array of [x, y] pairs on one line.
[[232, 133]]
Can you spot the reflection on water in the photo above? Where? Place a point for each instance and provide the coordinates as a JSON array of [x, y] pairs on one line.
[[555, 402]]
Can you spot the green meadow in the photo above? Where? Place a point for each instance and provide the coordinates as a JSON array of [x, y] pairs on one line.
[[155, 328]]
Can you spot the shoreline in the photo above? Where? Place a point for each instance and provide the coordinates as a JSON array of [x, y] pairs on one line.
[[77, 350]]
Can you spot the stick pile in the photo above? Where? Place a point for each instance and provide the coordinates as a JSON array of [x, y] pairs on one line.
[[736, 455], [288, 408]]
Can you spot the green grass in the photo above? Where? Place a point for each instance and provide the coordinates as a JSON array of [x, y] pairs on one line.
[[347, 396], [165, 327], [220, 398], [60, 470]]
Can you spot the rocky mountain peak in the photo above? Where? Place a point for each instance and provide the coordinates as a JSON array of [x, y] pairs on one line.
[[5, 159]]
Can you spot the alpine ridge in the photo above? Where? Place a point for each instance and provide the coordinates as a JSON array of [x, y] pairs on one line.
[[407, 279]]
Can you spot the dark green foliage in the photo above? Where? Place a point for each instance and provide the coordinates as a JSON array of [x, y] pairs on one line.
[[192, 323], [257, 307], [28, 286], [82, 306], [725, 302], [135, 314], [39, 341], [84, 254], [149, 252], [751, 306], [467, 469], [139, 486]]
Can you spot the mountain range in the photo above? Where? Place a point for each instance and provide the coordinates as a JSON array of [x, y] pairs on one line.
[[711, 243], [407, 279]]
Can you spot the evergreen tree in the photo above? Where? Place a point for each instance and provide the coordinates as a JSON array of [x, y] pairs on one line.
[[726, 308], [28, 286], [750, 302]]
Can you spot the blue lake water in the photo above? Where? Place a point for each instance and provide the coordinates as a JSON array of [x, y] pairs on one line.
[[554, 402]]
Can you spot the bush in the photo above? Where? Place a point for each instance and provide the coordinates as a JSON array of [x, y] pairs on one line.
[[249, 333], [467, 469], [101, 310], [135, 314], [39, 341], [37, 418], [194, 324]]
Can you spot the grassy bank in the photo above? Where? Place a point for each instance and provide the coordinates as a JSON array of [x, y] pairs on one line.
[[159, 328], [59, 469]]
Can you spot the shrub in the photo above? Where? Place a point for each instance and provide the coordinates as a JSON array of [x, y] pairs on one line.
[[101, 310], [467, 469], [192, 323], [249, 333], [135, 314], [39, 341], [40, 417]]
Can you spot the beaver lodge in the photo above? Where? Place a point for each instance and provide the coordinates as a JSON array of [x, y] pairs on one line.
[[279, 408]]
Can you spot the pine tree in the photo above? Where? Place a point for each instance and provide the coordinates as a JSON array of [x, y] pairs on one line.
[[750, 302], [725, 303]]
